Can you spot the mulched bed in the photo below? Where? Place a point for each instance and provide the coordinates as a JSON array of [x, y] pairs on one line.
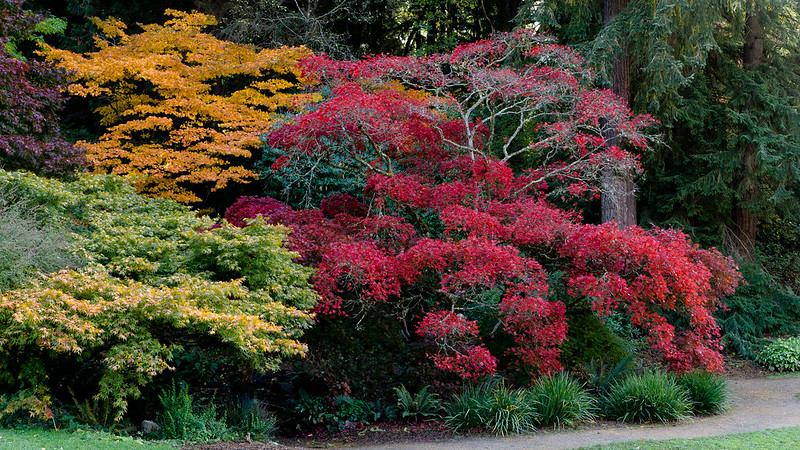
[[384, 433], [744, 368]]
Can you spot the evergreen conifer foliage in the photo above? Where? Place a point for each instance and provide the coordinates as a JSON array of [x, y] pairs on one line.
[[732, 146]]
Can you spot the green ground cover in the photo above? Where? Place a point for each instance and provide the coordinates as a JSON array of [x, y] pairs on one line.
[[38, 439], [778, 438]]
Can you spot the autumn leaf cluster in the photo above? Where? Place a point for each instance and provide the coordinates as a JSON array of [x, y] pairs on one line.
[[180, 109]]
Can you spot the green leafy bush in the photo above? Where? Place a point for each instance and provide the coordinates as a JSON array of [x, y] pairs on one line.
[[591, 338], [561, 401], [707, 392], [154, 282], [651, 396], [494, 406], [422, 404], [465, 410], [337, 414], [782, 355]]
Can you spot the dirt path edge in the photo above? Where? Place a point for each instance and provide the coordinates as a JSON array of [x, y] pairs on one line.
[[756, 404]]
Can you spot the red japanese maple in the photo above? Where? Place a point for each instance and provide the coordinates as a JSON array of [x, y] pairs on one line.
[[446, 228]]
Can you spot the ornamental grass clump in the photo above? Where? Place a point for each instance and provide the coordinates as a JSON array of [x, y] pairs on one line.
[[649, 397], [708, 392], [494, 406], [560, 401]]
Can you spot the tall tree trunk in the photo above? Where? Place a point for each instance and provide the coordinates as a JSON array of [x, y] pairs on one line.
[[618, 200], [745, 220]]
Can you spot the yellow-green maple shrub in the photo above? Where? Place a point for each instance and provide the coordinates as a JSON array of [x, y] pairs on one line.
[[158, 278], [181, 108]]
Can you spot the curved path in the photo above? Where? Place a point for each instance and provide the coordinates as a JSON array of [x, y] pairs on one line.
[[756, 404]]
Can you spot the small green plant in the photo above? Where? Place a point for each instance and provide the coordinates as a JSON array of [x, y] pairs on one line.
[[510, 411], [651, 396], [707, 392], [93, 412], [601, 376], [422, 404], [782, 355], [349, 411], [181, 419], [336, 415], [561, 401], [176, 415], [249, 416], [494, 406], [312, 410]]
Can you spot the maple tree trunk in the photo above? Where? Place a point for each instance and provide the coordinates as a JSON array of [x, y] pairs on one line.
[[745, 220], [618, 202]]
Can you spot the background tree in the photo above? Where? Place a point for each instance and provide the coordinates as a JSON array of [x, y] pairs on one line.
[[30, 97], [181, 109], [618, 201], [720, 78], [336, 27]]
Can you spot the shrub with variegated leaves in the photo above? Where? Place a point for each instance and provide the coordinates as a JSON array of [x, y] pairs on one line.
[[159, 278]]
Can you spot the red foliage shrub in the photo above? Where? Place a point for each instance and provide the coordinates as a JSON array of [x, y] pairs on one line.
[[449, 224], [30, 97]]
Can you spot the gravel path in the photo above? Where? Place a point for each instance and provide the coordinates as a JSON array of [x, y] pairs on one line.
[[756, 404]]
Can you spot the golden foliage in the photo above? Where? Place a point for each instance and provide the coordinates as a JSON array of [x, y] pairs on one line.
[[182, 109]]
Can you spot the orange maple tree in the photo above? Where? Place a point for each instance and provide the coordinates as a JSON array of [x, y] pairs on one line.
[[181, 109]]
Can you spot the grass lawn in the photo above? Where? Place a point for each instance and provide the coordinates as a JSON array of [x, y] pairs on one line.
[[779, 438], [38, 439]]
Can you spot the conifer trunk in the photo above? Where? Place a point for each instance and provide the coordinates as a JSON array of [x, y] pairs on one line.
[[745, 220], [618, 201]]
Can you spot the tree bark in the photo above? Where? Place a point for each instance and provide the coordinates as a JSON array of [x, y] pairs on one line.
[[745, 219], [618, 199]]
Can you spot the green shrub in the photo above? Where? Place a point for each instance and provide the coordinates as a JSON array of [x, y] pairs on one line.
[[337, 414], [312, 410], [760, 307], [652, 396], [465, 410], [181, 419], [591, 338], [494, 406], [782, 355], [510, 411], [707, 392], [154, 282], [561, 401], [422, 404]]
